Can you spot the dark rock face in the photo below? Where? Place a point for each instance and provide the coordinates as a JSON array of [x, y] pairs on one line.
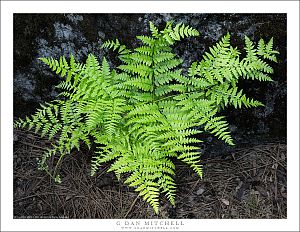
[[44, 35]]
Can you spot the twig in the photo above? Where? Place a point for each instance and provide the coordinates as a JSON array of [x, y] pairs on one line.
[[133, 203], [33, 145]]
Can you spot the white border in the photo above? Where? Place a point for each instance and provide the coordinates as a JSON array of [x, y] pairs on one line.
[[8, 8]]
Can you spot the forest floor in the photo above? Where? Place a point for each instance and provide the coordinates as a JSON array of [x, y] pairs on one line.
[[249, 183]]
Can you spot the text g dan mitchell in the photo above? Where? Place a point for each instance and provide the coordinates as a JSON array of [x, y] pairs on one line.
[[150, 223]]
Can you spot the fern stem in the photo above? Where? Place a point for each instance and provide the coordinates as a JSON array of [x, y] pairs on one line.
[[152, 72], [56, 166]]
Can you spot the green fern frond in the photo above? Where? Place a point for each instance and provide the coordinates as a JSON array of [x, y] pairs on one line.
[[115, 46], [153, 30], [179, 32], [266, 50], [149, 111], [58, 66]]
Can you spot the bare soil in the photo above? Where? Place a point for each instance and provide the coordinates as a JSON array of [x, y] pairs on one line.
[[249, 183]]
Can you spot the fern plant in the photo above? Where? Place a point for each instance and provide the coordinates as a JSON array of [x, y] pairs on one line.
[[147, 113]]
